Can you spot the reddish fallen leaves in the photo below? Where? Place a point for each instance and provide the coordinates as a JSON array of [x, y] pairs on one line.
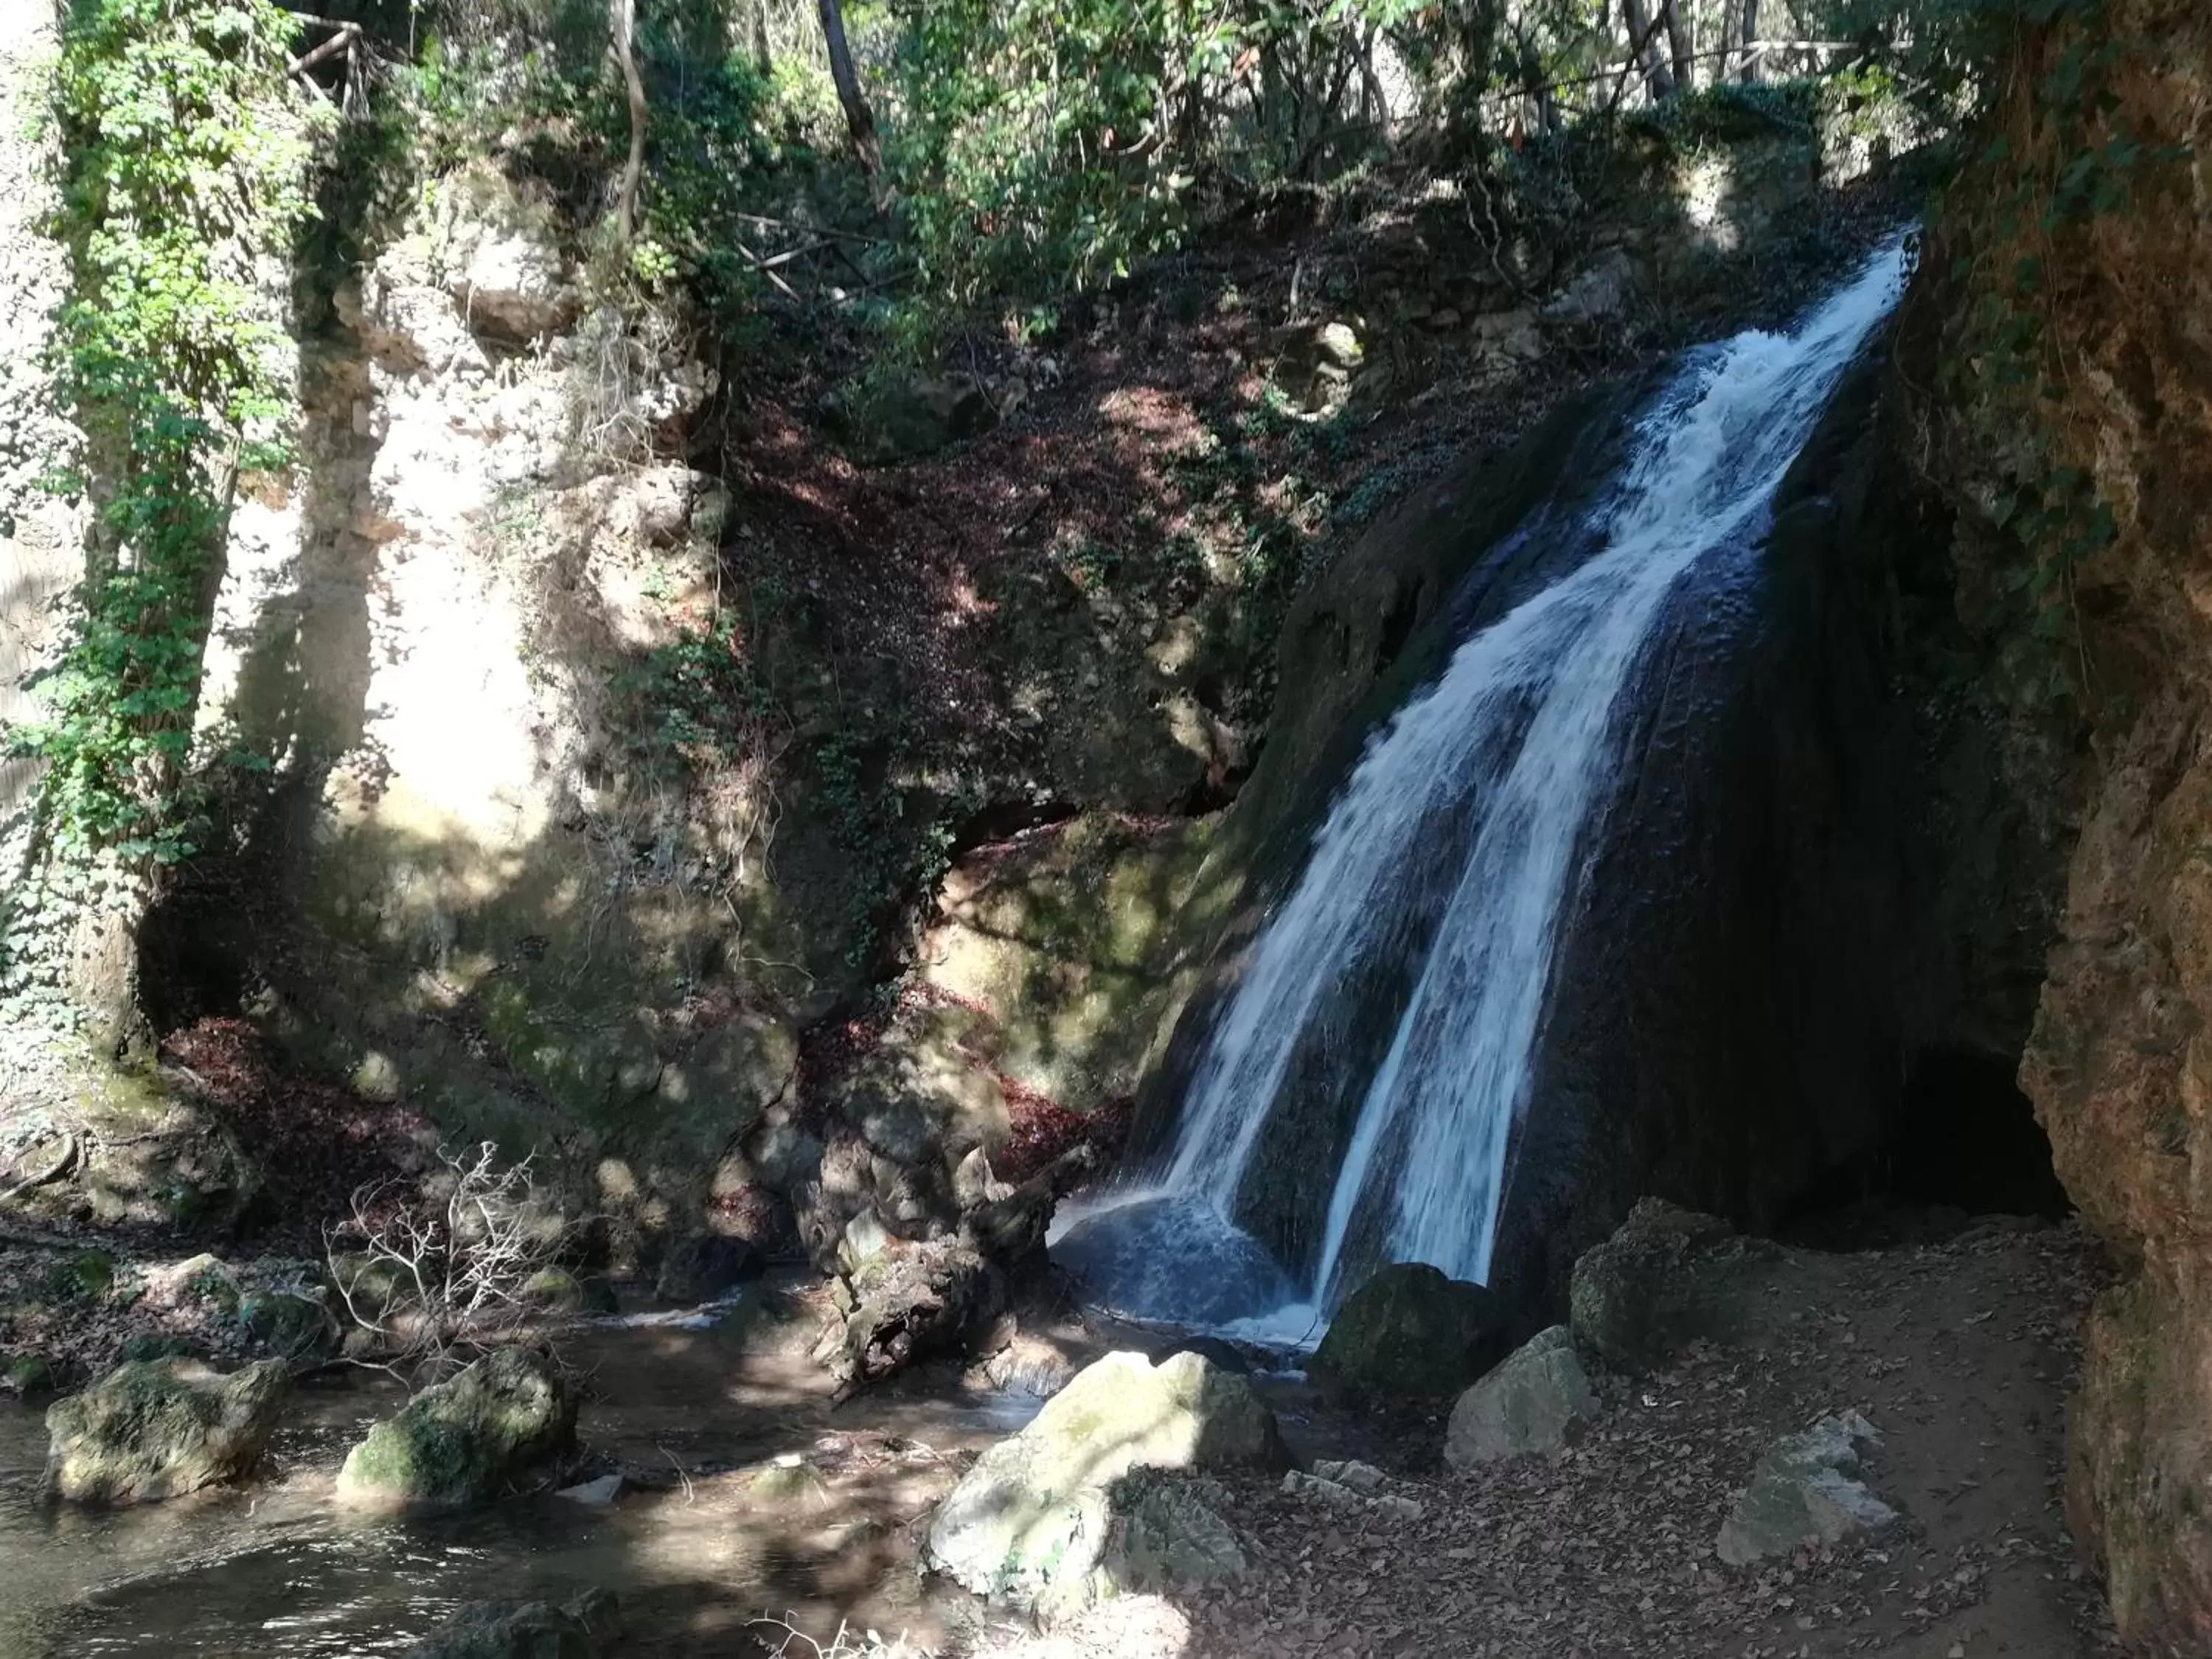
[[313, 1142], [1044, 1131]]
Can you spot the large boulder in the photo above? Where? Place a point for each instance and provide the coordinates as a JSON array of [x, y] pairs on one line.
[[1409, 1336], [1031, 1524], [468, 1438], [1805, 1490], [159, 1429], [1670, 1277], [1536, 1402]]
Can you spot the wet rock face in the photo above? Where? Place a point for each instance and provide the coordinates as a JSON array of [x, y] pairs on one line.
[[160, 1429], [1814, 877], [1373, 628], [1817, 877]]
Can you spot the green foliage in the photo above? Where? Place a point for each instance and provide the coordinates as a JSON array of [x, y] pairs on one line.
[[1729, 111], [180, 167], [698, 700], [85, 1276], [1047, 144]]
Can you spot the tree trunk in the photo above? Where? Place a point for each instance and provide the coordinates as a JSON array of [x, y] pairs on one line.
[[1643, 47], [623, 14], [1748, 36], [858, 117], [1678, 44], [763, 51]]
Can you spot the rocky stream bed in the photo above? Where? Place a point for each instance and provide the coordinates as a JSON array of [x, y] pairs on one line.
[[743, 1492]]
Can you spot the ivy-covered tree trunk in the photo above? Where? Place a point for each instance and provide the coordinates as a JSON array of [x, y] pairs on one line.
[[180, 171]]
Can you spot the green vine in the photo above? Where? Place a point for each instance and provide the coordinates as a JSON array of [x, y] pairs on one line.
[[182, 171]]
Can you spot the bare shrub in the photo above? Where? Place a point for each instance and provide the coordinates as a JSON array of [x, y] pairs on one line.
[[439, 1270], [791, 1643]]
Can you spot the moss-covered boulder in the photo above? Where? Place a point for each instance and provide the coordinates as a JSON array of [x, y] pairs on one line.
[[157, 1428], [557, 1291], [470, 1438], [1410, 1336], [1030, 1523]]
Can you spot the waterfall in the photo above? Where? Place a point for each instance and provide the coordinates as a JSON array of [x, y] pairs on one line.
[[1463, 827]]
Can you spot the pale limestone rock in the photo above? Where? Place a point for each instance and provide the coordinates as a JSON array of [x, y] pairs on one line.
[[1533, 1402], [1031, 1522]]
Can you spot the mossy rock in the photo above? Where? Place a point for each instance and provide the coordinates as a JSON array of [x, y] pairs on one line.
[[468, 1439], [784, 1482], [370, 1287], [81, 1276], [1073, 939], [290, 1322], [23, 1374], [1410, 1336], [157, 1428], [208, 1279]]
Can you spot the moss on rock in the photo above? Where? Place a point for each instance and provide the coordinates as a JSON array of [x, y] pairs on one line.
[[470, 1438], [159, 1429]]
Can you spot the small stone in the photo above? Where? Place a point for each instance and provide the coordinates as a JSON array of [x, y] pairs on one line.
[[864, 1239], [1350, 1471], [1340, 345], [1805, 1490], [787, 1478], [598, 1494]]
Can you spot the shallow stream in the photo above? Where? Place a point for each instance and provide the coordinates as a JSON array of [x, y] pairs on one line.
[[281, 1568]]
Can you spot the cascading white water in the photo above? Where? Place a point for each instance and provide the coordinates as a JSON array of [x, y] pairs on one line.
[[1500, 766]]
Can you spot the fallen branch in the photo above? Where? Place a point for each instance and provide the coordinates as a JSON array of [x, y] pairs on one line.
[[342, 41]]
